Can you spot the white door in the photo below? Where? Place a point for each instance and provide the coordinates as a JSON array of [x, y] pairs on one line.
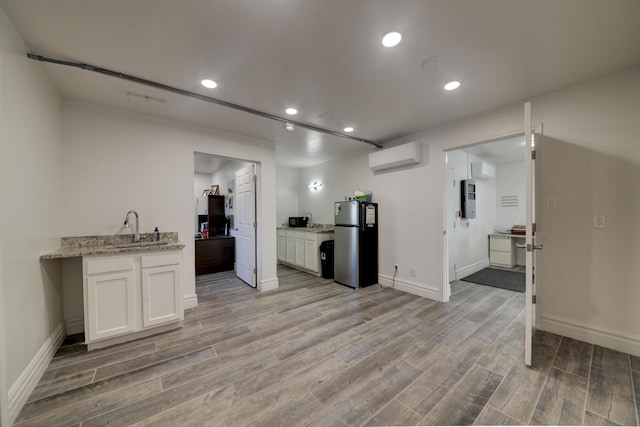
[[246, 225], [530, 245]]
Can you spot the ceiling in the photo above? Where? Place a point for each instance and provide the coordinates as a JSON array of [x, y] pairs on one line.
[[325, 58]]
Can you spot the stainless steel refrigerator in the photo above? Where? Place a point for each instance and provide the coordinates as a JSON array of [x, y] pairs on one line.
[[356, 243]]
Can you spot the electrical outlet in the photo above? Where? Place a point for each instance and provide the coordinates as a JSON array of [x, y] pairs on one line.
[[599, 221], [412, 272]]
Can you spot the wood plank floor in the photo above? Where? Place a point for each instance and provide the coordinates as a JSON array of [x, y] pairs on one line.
[[317, 353]]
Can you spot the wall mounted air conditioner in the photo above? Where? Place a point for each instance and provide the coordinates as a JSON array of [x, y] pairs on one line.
[[482, 170], [395, 157]]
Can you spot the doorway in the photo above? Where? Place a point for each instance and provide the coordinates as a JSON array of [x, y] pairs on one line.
[[481, 247], [225, 219]]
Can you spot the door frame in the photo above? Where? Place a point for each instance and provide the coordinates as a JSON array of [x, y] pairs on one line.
[[445, 289], [257, 206]]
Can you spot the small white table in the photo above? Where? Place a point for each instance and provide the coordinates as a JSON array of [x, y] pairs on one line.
[[502, 249]]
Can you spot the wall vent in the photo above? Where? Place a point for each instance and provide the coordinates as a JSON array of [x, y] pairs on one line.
[[509, 201]]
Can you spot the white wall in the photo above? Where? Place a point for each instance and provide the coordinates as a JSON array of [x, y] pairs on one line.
[[31, 188], [287, 194], [510, 181], [115, 160], [201, 181], [405, 236], [470, 236], [600, 118]]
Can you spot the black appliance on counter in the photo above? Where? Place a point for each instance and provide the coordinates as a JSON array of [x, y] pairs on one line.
[[297, 221]]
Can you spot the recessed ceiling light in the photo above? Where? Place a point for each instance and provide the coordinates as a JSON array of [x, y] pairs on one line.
[[452, 85], [348, 129], [210, 84], [289, 127], [391, 39], [291, 111]]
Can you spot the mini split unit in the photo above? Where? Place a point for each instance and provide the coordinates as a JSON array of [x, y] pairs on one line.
[[402, 155], [482, 170]]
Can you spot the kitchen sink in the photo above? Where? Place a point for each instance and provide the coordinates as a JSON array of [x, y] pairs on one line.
[[139, 244]]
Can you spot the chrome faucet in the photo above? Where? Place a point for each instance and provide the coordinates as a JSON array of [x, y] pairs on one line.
[[126, 225], [310, 221]]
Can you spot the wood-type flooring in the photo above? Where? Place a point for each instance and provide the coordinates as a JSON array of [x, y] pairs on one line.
[[314, 352]]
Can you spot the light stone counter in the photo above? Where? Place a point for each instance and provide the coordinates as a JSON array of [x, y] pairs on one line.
[[71, 247], [320, 228]]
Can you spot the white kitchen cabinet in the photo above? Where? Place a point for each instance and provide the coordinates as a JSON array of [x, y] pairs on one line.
[[130, 293], [291, 247], [161, 292], [111, 303], [302, 249], [299, 259], [311, 253], [502, 251], [282, 245]]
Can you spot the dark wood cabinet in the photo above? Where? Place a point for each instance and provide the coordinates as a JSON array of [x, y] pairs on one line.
[[217, 218], [215, 254]]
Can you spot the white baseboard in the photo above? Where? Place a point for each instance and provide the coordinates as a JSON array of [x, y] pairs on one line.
[[472, 268], [190, 301], [414, 288], [74, 325], [19, 392], [268, 284], [604, 337]]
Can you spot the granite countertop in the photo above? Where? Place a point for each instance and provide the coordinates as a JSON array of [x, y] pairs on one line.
[[71, 247], [319, 228], [216, 237]]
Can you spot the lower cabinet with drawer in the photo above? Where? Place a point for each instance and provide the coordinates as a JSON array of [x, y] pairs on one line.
[[502, 251], [130, 294]]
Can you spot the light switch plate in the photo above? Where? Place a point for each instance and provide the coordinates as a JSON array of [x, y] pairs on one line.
[[599, 221], [551, 203]]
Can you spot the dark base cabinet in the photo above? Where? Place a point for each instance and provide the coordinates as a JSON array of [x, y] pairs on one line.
[[215, 254]]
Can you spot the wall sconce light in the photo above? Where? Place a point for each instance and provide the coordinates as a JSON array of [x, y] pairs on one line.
[[315, 185]]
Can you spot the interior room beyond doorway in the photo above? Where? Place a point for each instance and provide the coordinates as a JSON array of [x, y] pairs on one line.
[[482, 241], [217, 215]]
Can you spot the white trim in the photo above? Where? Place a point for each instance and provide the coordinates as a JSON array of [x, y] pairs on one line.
[[593, 334], [133, 336], [472, 268], [190, 301], [414, 288], [268, 284], [75, 325], [19, 392]]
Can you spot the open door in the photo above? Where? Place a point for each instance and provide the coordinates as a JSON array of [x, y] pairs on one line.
[[245, 205], [530, 246]]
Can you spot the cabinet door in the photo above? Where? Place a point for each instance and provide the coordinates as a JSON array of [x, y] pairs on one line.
[[291, 249], [161, 295], [299, 261], [311, 254], [111, 304], [282, 248]]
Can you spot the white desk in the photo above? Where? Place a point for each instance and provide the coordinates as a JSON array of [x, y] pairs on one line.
[[502, 249]]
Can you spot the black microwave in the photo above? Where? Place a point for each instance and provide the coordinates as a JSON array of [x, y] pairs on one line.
[[297, 221]]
